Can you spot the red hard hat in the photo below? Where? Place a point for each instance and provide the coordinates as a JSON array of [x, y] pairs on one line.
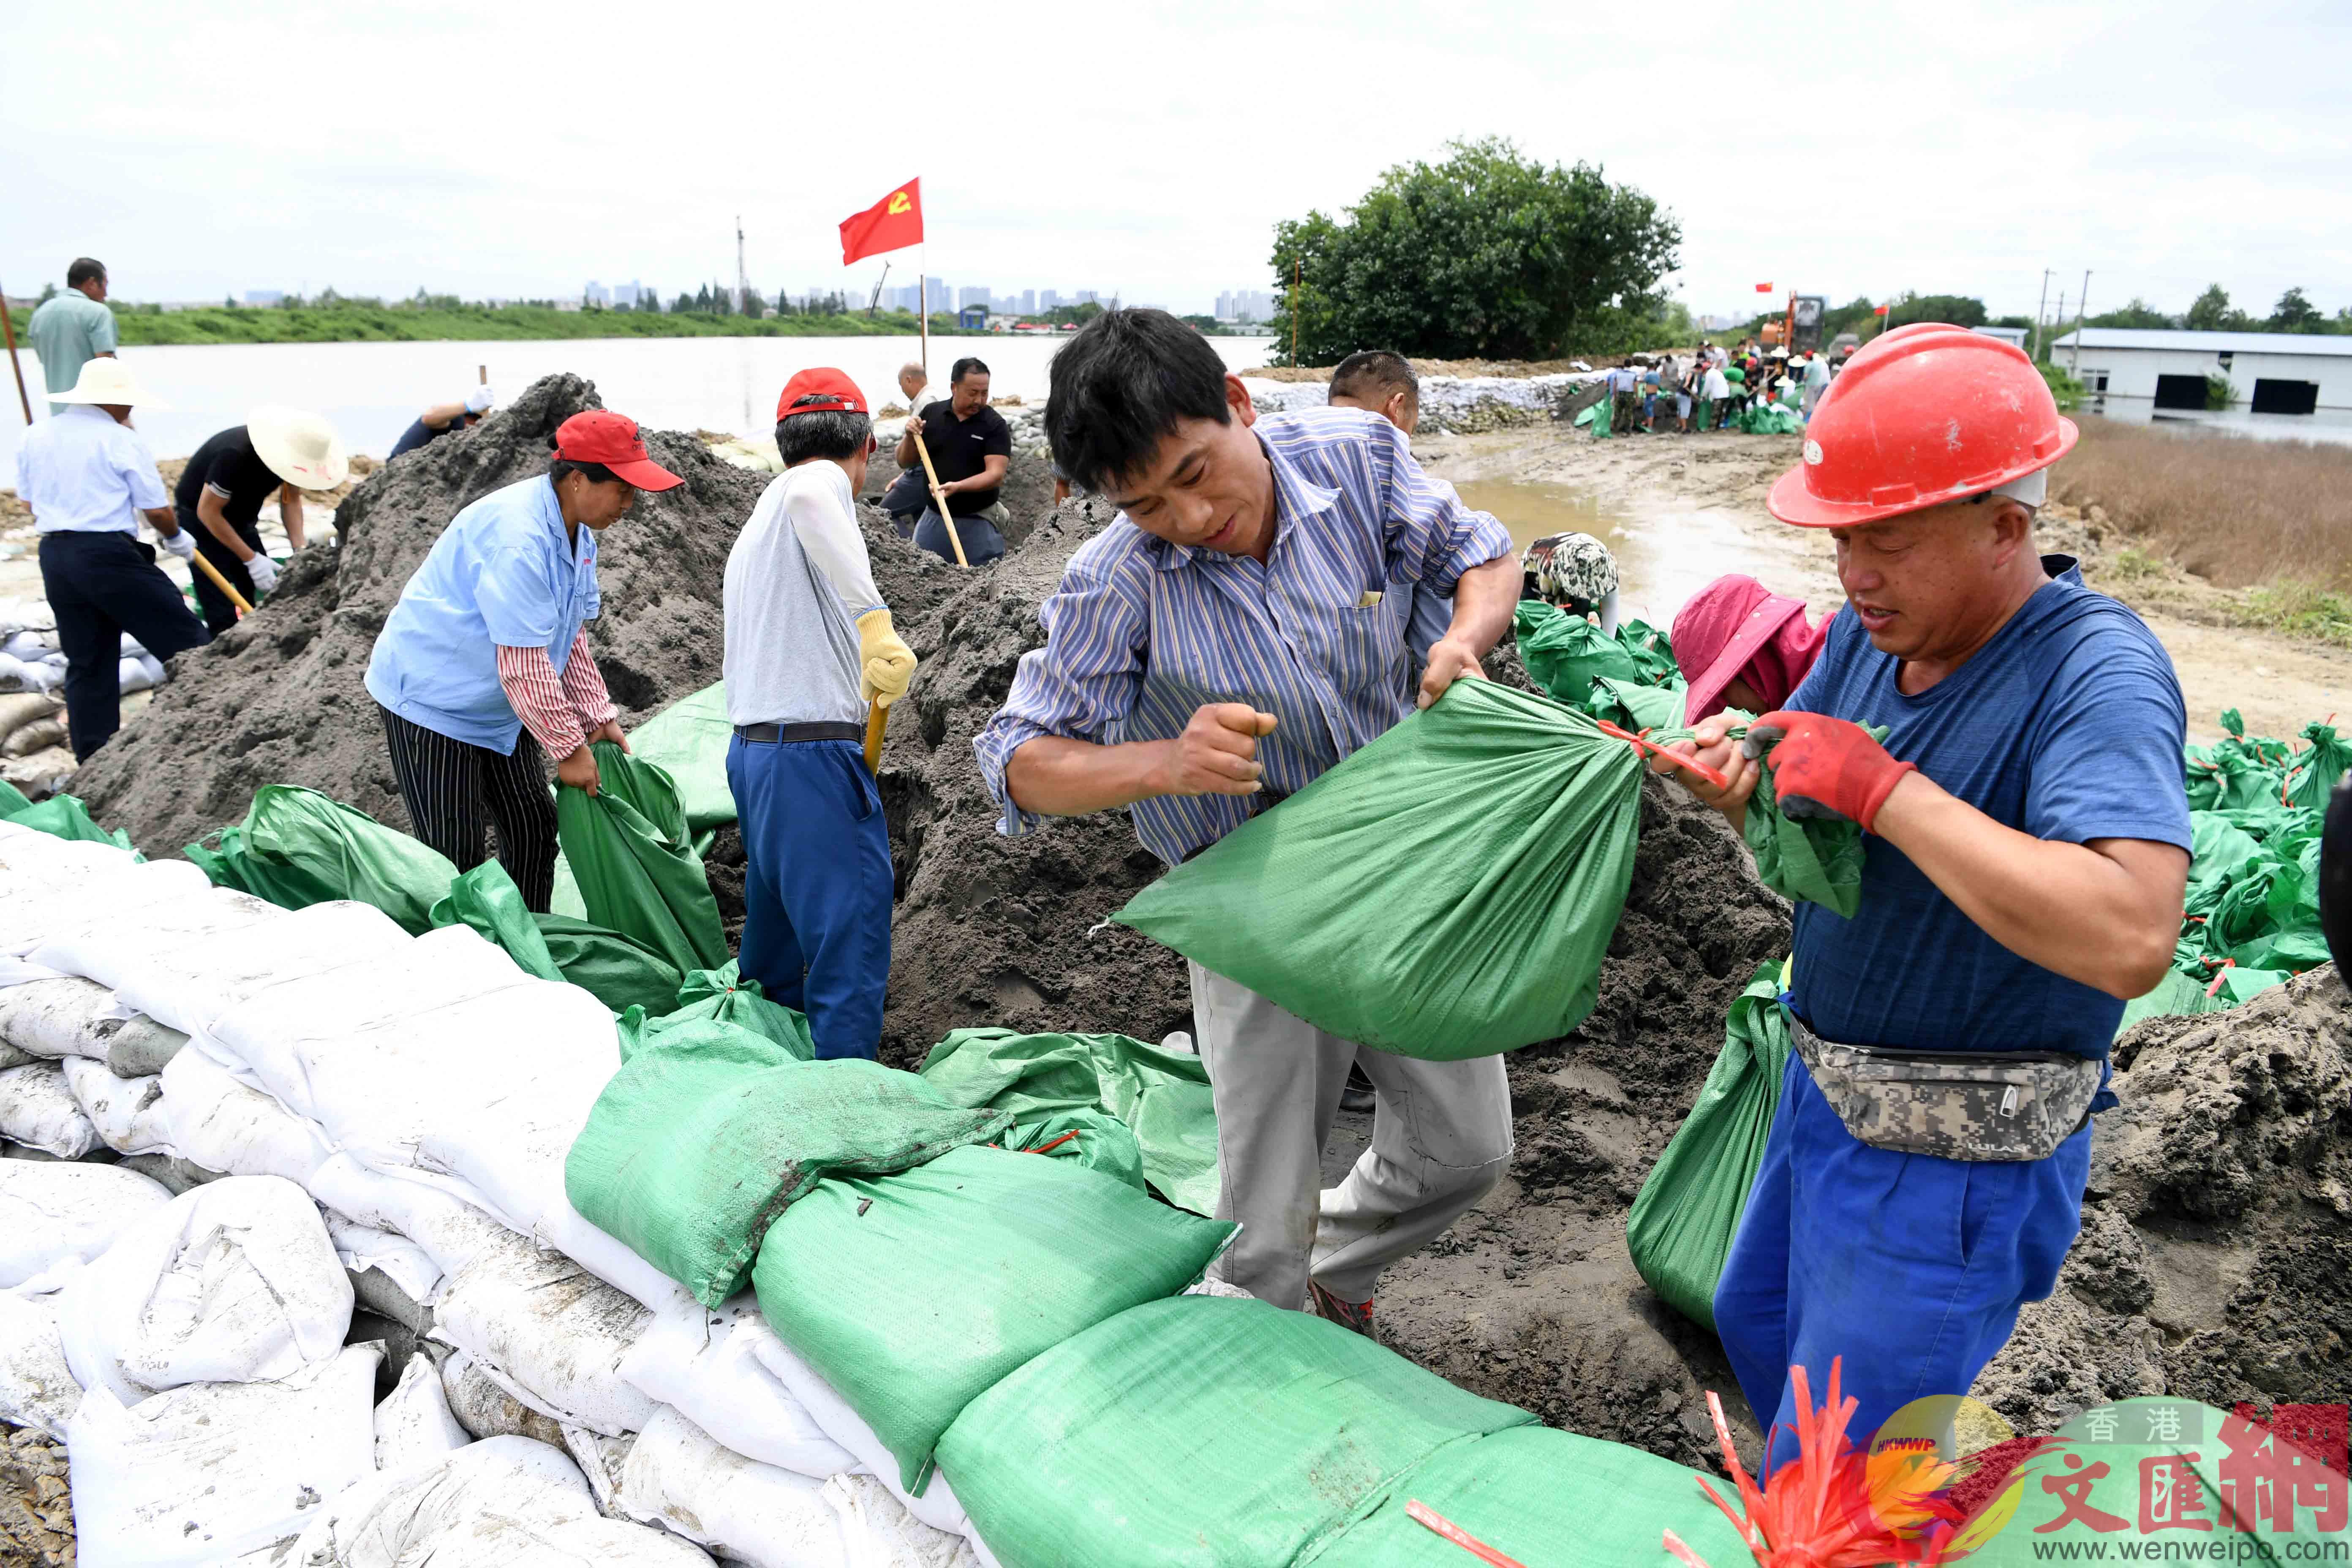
[[1921, 416]]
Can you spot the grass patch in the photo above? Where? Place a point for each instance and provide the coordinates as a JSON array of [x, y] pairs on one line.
[[2302, 608], [2234, 511]]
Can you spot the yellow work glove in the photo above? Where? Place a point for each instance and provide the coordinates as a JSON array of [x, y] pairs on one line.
[[885, 663]]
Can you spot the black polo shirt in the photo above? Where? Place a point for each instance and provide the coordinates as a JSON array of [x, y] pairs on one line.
[[228, 464], [959, 448]]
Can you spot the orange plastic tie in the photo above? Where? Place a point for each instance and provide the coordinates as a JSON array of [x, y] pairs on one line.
[[1652, 748], [1422, 1514]]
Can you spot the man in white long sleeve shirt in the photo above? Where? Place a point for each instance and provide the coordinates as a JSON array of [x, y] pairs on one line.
[[809, 644]]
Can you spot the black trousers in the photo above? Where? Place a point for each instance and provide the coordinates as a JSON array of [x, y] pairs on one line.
[[219, 613], [904, 500], [453, 790], [101, 586]]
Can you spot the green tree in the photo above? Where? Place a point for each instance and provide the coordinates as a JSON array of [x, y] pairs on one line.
[[49, 292], [754, 307], [685, 304], [2139, 313], [2294, 313], [2212, 312], [1489, 254], [1958, 309]]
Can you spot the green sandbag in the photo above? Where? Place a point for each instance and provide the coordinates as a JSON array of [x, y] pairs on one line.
[[687, 741], [1680, 1228], [617, 970], [1504, 822], [630, 852], [1201, 1430], [724, 996], [1093, 1138], [1818, 859], [1161, 1096], [1633, 706], [67, 818], [2311, 778], [708, 1131], [297, 848], [913, 1295], [2174, 997], [12, 801], [1651, 649], [1544, 1499], [1566, 654]]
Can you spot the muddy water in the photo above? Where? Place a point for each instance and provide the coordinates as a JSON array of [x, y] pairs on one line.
[[1663, 555]]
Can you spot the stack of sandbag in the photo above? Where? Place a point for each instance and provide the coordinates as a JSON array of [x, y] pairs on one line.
[[32, 659]]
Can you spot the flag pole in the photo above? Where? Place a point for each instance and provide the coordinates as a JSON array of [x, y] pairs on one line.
[[923, 301]]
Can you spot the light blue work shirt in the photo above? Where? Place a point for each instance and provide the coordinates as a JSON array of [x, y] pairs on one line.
[[68, 332], [502, 574], [82, 473]]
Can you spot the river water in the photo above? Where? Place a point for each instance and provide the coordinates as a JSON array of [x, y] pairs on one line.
[[371, 391]]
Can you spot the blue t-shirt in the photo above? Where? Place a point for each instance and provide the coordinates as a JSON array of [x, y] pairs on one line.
[[502, 574], [2067, 725], [420, 434]]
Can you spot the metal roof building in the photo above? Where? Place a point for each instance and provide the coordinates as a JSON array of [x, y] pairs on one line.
[[2271, 372]]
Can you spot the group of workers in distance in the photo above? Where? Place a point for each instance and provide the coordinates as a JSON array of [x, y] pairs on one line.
[[1273, 593]]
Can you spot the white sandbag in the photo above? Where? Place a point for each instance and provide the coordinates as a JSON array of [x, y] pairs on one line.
[[39, 736], [503, 1502], [233, 1281], [137, 673], [484, 1409], [447, 1229], [678, 1478], [938, 1507], [122, 948], [549, 1332], [37, 1387], [30, 647], [64, 1017], [203, 976], [361, 1248], [37, 1110], [20, 708], [414, 1428], [49, 884], [222, 1125], [141, 1046], [129, 1112], [692, 1357], [51, 1214], [203, 1473]]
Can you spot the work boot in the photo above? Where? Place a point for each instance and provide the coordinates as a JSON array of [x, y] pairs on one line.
[[1357, 1097], [1347, 1314]]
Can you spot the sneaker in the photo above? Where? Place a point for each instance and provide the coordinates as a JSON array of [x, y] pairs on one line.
[[1347, 1314], [1357, 1097]]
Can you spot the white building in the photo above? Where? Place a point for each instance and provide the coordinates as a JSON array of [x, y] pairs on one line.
[[2014, 336], [2272, 373], [597, 294], [1048, 299]]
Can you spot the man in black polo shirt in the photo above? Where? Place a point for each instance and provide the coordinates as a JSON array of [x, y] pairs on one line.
[[970, 447], [277, 451]]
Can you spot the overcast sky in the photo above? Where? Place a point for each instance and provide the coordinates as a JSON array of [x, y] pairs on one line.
[[1148, 148]]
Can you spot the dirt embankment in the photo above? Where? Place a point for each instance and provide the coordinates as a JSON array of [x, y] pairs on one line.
[[2219, 1227]]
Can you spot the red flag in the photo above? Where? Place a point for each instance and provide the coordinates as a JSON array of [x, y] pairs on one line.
[[894, 221], [1880, 311], [1763, 287]]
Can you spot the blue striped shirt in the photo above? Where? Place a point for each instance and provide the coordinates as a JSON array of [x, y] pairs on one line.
[[1141, 633]]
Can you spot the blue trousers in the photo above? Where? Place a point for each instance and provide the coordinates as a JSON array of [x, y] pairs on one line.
[[982, 542], [816, 886], [1909, 1266]]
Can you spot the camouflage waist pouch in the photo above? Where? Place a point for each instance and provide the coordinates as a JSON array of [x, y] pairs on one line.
[[1956, 1105]]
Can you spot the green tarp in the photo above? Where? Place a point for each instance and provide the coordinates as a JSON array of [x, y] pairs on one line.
[[1161, 1096], [618, 971], [298, 847], [1510, 818], [1629, 705], [63, 816], [1546, 1500], [12, 801], [631, 853], [915, 1294], [687, 741], [723, 995], [708, 1131], [1679, 1230], [1201, 1431]]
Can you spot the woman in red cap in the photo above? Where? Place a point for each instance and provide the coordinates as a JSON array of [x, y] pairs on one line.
[[484, 663], [1742, 645]]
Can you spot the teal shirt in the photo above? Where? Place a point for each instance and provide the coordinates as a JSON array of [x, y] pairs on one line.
[[69, 331]]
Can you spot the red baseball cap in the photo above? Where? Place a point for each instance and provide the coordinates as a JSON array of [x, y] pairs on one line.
[[839, 395], [601, 435]]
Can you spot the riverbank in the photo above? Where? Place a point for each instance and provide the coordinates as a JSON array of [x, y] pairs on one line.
[[1697, 504], [349, 322]]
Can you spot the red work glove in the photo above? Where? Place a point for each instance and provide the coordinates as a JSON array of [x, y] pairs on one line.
[[1823, 766]]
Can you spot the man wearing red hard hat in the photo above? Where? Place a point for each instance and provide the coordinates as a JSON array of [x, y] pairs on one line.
[[2026, 847], [809, 644], [484, 665]]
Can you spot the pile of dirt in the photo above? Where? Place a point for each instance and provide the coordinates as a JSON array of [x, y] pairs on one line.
[[35, 1513]]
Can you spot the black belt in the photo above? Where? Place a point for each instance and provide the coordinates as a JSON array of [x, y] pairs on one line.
[[770, 734]]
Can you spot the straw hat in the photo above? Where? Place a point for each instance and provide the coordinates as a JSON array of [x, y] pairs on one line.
[[299, 447], [107, 381]]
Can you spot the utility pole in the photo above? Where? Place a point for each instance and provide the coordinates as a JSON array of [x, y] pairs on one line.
[[2081, 304], [742, 276], [2041, 312]]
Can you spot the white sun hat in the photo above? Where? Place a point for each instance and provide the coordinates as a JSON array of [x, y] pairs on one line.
[[107, 381], [299, 447]]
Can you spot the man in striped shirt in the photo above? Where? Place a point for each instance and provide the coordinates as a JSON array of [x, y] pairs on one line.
[[1213, 651]]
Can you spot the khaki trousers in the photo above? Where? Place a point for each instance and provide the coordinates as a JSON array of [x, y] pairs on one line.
[[1441, 1140]]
